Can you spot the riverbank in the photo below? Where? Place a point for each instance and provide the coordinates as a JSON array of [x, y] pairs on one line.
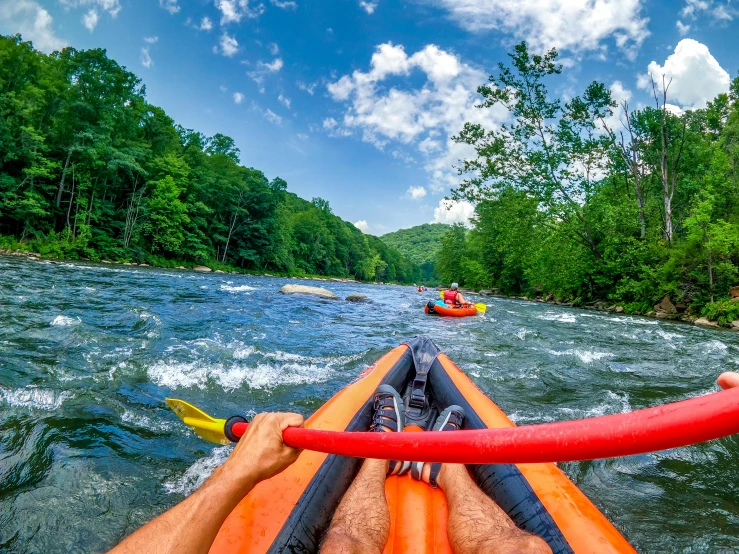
[[664, 310], [211, 267]]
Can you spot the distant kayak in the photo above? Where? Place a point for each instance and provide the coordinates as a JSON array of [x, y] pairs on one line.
[[439, 308]]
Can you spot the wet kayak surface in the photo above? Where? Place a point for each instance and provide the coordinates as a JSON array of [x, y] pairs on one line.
[[89, 451]]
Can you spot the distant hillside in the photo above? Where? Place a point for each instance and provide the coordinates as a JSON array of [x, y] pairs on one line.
[[419, 244]]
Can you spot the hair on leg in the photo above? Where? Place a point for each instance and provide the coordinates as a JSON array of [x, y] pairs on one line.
[[478, 525], [361, 524]]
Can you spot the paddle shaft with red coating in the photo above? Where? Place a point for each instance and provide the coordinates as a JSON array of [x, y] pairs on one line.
[[669, 426]]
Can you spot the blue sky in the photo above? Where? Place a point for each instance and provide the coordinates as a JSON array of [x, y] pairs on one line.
[[355, 100]]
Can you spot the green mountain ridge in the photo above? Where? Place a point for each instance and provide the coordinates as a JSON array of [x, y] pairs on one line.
[[421, 245]]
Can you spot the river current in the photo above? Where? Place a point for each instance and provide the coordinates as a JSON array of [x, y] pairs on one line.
[[89, 451]]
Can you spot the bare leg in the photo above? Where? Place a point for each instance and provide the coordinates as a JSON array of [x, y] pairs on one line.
[[478, 525], [361, 524]]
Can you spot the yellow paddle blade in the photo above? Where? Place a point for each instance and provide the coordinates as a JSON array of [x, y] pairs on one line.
[[481, 308], [441, 294], [206, 427]]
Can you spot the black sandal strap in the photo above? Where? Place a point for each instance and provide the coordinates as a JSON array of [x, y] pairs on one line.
[[433, 474]]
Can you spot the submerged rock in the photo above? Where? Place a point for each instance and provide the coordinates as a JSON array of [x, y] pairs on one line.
[[357, 298], [619, 309], [202, 269], [315, 291]]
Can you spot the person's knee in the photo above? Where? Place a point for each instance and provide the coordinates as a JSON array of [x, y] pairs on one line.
[[531, 544]]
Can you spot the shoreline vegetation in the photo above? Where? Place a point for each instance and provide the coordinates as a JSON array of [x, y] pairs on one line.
[[89, 169], [593, 202]]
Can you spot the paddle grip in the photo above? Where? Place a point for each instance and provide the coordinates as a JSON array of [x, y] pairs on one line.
[[669, 426]]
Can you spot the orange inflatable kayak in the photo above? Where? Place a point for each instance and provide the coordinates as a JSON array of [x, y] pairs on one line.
[[291, 511], [439, 308]]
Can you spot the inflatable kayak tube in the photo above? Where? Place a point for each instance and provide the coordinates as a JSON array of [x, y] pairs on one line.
[[292, 511], [440, 308]]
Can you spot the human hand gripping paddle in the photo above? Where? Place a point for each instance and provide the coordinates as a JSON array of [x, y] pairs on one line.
[[481, 308], [673, 425]]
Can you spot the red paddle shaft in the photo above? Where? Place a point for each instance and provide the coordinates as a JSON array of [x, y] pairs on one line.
[[678, 424]]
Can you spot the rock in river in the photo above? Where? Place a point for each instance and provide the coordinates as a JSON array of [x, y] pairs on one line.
[[705, 322], [357, 298], [202, 269], [302, 289]]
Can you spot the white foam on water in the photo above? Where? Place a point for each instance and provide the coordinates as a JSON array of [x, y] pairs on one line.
[[517, 418], [586, 356], [244, 352], [561, 317], [493, 354], [198, 472], [140, 420], [669, 336], [174, 375], [714, 347], [616, 403], [521, 333], [203, 286], [91, 289], [295, 322], [241, 288], [32, 397], [63, 321]]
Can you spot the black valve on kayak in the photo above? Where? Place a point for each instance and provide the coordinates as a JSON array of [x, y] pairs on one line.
[[430, 306]]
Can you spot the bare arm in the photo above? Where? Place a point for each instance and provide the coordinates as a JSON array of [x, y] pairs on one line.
[[192, 525]]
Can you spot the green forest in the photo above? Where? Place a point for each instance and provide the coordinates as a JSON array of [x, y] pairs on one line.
[[590, 199], [421, 245], [89, 169]]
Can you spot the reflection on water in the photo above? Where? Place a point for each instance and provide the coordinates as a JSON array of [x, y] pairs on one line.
[[89, 450]]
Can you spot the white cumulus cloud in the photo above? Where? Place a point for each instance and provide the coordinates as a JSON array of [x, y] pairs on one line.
[[229, 46], [362, 225], [425, 116], [577, 25], [284, 5], [90, 19], [28, 18], [682, 28], [170, 5], [238, 97], [284, 100], [696, 75], [416, 193], [272, 117], [233, 11], [146, 60], [310, 88], [450, 212], [205, 24], [273, 66], [369, 7], [151, 40]]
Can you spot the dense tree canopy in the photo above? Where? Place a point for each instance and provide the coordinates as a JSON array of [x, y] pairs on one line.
[[421, 245], [88, 168], [590, 200]]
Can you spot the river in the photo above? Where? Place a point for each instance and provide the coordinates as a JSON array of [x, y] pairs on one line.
[[89, 451]]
